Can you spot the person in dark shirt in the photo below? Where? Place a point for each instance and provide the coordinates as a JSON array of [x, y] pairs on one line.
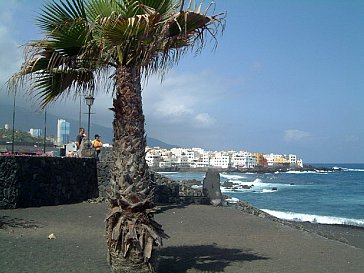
[[80, 137]]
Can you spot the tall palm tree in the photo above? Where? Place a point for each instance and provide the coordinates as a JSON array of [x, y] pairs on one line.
[[87, 41]]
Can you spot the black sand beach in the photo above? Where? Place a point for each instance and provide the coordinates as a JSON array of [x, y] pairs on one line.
[[203, 239]]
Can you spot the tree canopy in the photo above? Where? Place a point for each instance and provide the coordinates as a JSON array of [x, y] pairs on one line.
[[86, 39]]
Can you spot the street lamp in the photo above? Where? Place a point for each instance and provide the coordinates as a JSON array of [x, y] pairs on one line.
[[89, 101], [79, 118], [13, 135], [45, 131]]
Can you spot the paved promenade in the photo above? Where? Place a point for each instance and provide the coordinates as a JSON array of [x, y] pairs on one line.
[[203, 239]]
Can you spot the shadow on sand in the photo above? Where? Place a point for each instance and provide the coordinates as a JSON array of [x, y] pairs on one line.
[[7, 222], [205, 258], [163, 208]]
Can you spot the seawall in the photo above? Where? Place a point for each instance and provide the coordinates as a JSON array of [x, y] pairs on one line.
[[31, 181]]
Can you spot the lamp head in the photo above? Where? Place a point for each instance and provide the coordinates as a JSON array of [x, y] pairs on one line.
[[89, 100]]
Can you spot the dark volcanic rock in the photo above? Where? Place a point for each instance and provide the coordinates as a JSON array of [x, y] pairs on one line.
[[211, 187]]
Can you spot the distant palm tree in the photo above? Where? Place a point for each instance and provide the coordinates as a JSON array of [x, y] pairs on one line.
[[87, 41]]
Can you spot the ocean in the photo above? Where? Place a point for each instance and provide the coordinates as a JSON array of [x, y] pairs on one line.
[[321, 197]]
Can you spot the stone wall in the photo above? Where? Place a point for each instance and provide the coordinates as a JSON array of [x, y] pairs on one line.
[[28, 181], [167, 191], [104, 174]]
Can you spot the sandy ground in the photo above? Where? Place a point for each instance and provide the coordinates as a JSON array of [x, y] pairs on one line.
[[203, 239]]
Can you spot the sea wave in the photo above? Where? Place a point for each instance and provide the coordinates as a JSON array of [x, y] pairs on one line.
[[269, 190], [232, 200], [308, 172], [256, 186], [232, 176], [300, 217], [352, 170], [256, 183]]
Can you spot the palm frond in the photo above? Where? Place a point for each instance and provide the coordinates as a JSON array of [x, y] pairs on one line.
[[54, 16], [102, 8], [49, 86], [92, 35]]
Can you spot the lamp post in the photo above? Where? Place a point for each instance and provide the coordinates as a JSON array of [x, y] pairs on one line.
[[89, 101], [45, 131], [79, 118], [13, 135]]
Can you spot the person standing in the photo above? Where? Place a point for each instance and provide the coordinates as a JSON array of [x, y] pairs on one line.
[[97, 145], [80, 137]]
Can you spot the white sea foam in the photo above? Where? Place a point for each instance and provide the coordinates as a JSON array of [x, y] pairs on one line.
[[232, 200], [235, 189], [256, 183], [353, 170], [300, 172], [231, 176], [256, 186], [300, 217], [269, 190], [309, 172], [347, 169], [167, 172]]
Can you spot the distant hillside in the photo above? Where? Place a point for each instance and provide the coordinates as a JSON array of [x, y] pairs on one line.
[[153, 142], [25, 119]]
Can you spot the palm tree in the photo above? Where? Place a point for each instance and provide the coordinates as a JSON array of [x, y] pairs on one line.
[[88, 41]]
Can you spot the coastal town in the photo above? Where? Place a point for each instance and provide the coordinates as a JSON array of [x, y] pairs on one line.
[[194, 158], [156, 157]]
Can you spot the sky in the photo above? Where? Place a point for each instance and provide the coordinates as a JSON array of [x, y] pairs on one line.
[[287, 77]]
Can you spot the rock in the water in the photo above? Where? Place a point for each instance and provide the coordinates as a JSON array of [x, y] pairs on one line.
[[211, 187]]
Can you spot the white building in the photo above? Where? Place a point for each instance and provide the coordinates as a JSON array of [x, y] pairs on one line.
[[35, 132], [198, 158], [190, 154], [243, 160], [171, 161], [220, 160], [178, 151], [182, 161], [300, 163], [63, 132], [204, 159], [165, 164], [153, 160], [292, 159], [272, 158]]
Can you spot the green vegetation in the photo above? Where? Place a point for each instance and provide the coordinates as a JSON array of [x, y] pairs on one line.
[[19, 136]]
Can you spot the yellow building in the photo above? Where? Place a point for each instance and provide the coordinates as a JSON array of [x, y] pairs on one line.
[[261, 161]]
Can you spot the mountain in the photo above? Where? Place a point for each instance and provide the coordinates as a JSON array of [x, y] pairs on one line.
[[26, 119], [153, 142]]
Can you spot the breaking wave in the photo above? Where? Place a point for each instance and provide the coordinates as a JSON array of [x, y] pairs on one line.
[[300, 217]]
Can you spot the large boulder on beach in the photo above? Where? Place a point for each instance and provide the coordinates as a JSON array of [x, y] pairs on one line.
[[211, 187]]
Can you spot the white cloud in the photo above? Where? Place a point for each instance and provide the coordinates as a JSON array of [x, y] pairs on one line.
[[175, 106], [182, 99], [184, 102], [204, 120], [295, 135]]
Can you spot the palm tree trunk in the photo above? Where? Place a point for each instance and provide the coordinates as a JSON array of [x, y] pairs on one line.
[[131, 230], [129, 135]]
